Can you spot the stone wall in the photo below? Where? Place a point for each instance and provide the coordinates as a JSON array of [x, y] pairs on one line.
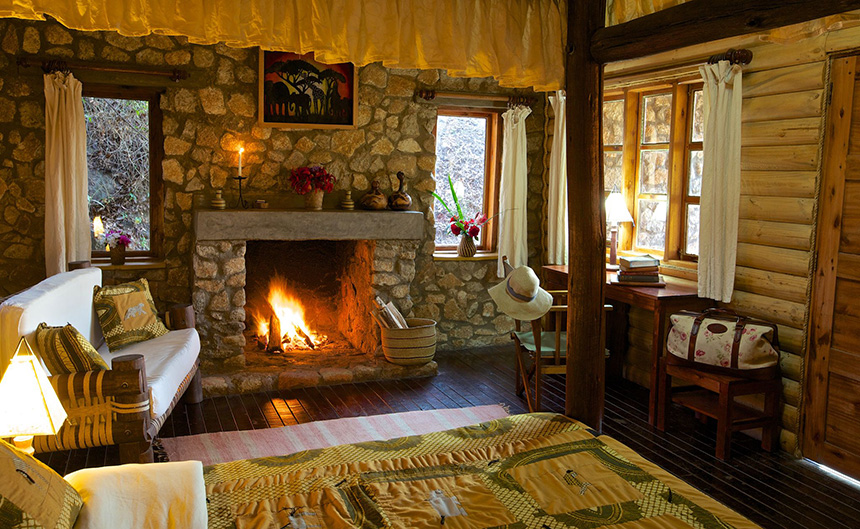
[[206, 117]]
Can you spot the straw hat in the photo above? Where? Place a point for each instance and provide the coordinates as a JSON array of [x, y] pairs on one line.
[[520, 295]]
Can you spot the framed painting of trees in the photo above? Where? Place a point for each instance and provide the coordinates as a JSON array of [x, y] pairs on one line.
[[296, 91]]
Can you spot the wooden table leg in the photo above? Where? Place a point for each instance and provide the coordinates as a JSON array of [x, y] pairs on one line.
[[656, 353], [617, 338]]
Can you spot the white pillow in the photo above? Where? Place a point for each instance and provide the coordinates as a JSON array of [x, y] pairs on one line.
[[152, 496]]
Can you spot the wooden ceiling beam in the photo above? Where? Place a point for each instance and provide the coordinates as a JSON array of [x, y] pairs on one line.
[[699, 21]]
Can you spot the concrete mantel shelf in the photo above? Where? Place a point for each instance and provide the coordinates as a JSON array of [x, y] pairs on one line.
[[303, 225]]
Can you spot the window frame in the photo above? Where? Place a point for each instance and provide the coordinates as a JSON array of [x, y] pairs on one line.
[[492, 171], [680, 146], [156, 156], [639, 147]]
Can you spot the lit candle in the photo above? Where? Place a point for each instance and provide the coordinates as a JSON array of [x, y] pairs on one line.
[[241, 150]]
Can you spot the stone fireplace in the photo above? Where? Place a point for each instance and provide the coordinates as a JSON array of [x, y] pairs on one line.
[[334, 263]]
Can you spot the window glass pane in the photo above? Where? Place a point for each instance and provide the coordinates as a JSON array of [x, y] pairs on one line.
[[461, 148], [692, 245], [613, 177], [654, 171], [695, 186], [697, 131], [656, 118], [651, 225], [118, 165], [613, 122]]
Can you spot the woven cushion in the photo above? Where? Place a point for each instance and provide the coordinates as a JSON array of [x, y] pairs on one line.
[[547, 342], [64, 350], [32, 495], [127, 314]]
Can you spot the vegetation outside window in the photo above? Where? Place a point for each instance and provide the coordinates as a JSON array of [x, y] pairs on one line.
[[652, 152], [124, 164], [467, 146]]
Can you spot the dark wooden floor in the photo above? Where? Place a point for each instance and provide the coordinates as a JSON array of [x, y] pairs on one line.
[[773, 490]]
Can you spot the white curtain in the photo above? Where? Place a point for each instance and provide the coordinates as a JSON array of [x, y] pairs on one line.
[[721, 180], [557, 235], [513, 189], [67, 234]]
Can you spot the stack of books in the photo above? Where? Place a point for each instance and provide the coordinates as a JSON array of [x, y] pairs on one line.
[[643, 269]]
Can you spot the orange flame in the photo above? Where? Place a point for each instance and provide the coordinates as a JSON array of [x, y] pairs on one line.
[[291, 316]]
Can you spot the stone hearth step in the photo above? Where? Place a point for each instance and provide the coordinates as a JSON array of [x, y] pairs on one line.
[[254, 380]]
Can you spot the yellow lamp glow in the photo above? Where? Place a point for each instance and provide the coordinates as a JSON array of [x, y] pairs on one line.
[[29, 404], [616, 213]]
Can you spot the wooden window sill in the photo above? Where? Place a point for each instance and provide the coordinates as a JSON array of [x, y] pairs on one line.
[[452, 256], [131, 263]]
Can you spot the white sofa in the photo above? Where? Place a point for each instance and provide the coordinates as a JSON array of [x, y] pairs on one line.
[[126, 405]]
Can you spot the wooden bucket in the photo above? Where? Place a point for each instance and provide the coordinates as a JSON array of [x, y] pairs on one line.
[[413, 346]]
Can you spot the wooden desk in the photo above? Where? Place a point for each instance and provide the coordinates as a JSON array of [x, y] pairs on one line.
[[677, 295]]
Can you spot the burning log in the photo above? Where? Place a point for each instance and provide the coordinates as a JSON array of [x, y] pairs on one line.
[[275, 335], [307, 338]]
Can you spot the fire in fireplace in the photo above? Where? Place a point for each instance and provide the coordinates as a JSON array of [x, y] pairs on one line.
[[281, 325]]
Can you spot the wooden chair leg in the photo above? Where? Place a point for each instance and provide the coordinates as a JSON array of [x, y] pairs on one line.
[[522, 383], [136, 452], [538, 382], [771, 408], [664, 393], [724, 423]]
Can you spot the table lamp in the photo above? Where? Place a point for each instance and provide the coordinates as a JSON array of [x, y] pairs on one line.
[[616, 212], [28, 403]]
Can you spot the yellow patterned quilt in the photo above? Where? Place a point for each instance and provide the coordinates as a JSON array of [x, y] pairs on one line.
[[540, 470]]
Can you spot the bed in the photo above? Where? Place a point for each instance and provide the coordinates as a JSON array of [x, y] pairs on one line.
[[538, 470]]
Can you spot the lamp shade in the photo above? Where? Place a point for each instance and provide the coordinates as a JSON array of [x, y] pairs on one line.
[[616, 209], [28, 403]]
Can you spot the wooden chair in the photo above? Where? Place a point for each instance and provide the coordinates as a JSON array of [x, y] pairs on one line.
[[550, 340]]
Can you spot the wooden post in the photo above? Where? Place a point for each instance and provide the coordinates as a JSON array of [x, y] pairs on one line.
[[585, 343]]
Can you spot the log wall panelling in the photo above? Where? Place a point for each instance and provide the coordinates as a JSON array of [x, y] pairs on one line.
[[779, 209], [785, 260], [780, 234], [791, 339], [782, 106], [774, 310], [780, 158], [797, 78], [783, 183], [771, 284], [797, 131]]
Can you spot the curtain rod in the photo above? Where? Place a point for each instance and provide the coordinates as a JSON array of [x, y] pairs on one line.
[[59, 65], [442, 98], [674, 70]]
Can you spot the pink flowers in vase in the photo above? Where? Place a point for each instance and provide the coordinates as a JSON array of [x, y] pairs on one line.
[[117, 238], [307, 179]]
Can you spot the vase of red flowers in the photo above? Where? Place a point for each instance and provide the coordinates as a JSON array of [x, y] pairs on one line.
[[117, 241], [466, 228], [312, 183]]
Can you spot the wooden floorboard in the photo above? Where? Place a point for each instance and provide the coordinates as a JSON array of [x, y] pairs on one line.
[[773, 490]]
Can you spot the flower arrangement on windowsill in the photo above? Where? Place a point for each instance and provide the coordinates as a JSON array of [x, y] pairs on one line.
[[117, 243], [312, 182], [466, 228]]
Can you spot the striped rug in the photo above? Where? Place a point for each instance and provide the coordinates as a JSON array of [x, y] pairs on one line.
[[220, 447]]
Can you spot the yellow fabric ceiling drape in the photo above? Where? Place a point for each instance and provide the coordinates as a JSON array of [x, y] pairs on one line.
[[519, 42]]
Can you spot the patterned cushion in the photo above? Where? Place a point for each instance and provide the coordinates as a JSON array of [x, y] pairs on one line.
[[32, 495], [127, 314], [64, 350]]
